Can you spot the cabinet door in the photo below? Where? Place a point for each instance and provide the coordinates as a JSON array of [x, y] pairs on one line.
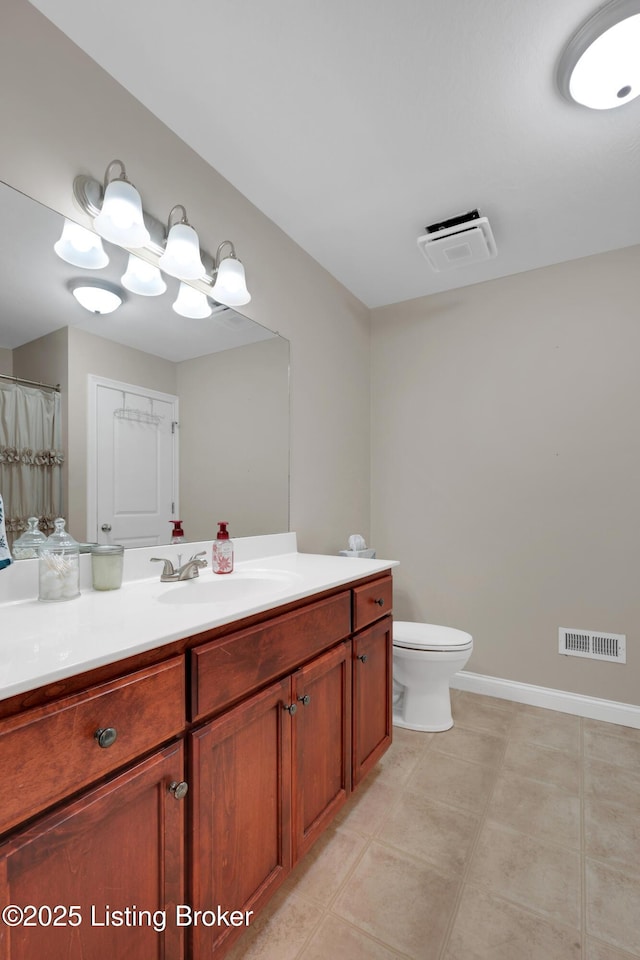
[[115, 856], [321, 738], [372, 691], [241, 806]]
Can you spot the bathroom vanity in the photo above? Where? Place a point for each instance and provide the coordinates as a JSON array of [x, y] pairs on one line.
[[155, 800]]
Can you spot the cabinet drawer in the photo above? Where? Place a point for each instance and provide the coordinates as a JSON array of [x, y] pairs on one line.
[[226, 669], [372, 601], [50, 752]]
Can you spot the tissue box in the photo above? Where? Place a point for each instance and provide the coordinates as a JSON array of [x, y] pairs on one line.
[[362, 554]]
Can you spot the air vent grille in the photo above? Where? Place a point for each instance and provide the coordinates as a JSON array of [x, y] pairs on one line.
[[593, 644]]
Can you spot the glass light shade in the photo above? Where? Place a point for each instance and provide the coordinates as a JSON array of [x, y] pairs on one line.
[[121, 220], [97, 299], [143, 278], [181, 257], [608, 72], [191, 303], [230, 287], [81, 247]]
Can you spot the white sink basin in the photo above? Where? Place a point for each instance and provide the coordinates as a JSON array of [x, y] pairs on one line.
[[238, 587]]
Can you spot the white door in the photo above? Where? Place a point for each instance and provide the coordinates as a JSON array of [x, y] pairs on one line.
[[132, 469]]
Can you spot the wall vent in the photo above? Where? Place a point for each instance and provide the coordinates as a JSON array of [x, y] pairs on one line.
[[592, 644]]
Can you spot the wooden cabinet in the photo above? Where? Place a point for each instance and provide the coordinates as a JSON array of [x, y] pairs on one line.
[[268, 777], [118, 848], [51, 752], [240, 839], [275, 724], [321, 730], [372, 696]]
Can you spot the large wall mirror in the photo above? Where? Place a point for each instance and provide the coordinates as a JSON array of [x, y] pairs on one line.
[[230, 376]]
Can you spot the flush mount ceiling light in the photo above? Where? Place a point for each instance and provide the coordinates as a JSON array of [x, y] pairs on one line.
[[143, 278], [97, 297], [230, 286], [181, 257], [600, 67], [80, 247], [121, 220], [176, 249], [191, 303]]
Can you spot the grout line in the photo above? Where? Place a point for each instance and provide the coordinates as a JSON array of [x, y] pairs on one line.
[[583, 858]]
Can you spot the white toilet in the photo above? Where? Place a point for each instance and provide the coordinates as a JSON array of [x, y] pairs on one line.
[[425, 657]]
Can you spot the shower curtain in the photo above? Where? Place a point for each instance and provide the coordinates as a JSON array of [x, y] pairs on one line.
[[31, 457]]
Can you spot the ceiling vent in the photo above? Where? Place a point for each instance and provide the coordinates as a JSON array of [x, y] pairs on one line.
[[458, 242]]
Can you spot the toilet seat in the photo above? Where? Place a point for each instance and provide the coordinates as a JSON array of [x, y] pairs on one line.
[[429, 636]]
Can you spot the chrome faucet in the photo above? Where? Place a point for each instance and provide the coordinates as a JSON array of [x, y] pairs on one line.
[[187, 571]]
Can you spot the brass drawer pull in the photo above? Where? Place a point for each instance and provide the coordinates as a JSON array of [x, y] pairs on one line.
[[379, 601], [106, 736]]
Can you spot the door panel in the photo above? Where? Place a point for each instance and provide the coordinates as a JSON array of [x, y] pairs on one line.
[[135, 465]]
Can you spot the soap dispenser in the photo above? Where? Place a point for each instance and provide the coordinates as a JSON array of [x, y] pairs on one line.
[[177, 534], [222, 554]]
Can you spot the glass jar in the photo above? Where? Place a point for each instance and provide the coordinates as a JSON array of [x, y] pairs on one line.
[[59, 566], [26, 547], [106, 566]]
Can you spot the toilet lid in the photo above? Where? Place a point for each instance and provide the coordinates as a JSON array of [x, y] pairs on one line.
[[429, 636]]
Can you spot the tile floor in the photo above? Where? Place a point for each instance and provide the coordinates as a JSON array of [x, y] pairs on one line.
[[513, 836]]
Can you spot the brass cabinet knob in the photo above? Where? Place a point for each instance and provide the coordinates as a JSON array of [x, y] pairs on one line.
[[179, 789], [379, 601], [106, 736]]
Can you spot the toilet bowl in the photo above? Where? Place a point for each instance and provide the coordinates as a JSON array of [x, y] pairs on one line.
[[425, 657]]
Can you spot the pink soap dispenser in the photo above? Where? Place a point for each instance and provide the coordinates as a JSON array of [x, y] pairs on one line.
[[222, 554]]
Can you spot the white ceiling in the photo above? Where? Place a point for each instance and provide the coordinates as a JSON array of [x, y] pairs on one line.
[[353, 124]]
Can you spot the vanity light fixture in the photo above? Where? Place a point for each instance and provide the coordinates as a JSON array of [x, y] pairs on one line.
[[97, 297], [230, 286], [81, 247], [181, 257], [143, 278], [121, 220], [191, 303], [600, 67], [174, 249]]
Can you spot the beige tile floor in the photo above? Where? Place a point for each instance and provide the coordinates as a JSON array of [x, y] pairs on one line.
[[513, 836]]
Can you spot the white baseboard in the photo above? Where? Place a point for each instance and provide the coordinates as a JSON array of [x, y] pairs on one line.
[[610, 711]]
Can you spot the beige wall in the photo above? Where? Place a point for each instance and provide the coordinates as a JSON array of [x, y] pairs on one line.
[[506, 466], [6, 361], [65, 116], [234, 458]]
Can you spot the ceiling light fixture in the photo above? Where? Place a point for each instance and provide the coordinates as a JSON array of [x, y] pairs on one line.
[[97, 297], [183, 258], [600, 67], [143, 278], [80, 247], [191, 303], [120, 219]]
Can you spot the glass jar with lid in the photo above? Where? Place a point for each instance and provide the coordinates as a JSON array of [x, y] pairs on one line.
[[59, 566], [26, 546]]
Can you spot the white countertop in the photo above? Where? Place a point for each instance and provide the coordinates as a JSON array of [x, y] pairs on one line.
[[44, 642]]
